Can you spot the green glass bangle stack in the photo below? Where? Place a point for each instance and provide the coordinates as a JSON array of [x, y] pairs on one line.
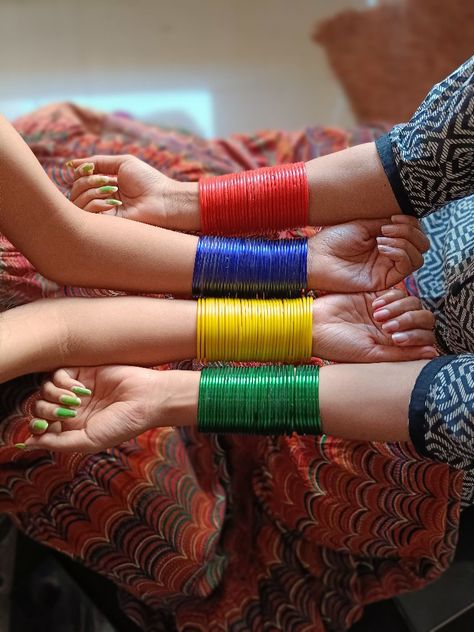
[[260, 400]]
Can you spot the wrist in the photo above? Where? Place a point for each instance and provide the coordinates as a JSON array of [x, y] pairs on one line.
[[316, 274], [182, 203], [174, 398]]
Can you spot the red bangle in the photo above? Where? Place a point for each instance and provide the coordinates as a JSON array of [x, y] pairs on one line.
[[270, 198]]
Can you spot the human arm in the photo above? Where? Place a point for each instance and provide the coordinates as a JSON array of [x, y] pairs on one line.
[[343, 186], [72, 247], [364, 402], [138, 330], [418, 167]]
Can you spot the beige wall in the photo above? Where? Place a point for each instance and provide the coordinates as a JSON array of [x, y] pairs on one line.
[[253, 58]]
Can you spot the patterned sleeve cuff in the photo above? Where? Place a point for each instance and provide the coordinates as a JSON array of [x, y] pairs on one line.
[[384, 149], [417, 409]]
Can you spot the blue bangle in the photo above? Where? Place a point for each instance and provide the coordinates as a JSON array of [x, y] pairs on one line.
[[250, 267]]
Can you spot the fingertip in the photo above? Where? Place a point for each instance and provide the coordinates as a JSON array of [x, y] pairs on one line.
[[378, 302], [86, 169], [81, 390], [429, 352], [38, 426]]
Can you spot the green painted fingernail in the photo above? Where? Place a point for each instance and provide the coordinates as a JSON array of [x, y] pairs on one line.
[[101, 180], [79, 390], [20, 446], [87, 167], [113, 202], [65, 412], [108, 189], [68, 163], [70, 401], [39, 424]]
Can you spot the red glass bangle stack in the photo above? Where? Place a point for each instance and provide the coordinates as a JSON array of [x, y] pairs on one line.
[[256, 201]]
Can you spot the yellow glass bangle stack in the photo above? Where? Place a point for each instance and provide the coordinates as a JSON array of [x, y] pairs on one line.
[[276, 330]]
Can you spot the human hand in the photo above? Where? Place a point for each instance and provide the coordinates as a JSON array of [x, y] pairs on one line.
[[373, 327], [365, 255], [119, 403], [128, 187]]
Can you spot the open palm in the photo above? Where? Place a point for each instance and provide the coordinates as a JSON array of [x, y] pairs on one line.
[[344, 330], [355, 257], [118, 411]]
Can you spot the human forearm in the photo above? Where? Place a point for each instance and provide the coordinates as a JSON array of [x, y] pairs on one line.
[[146, 331], [366, 403], [347, 185], [127, 330], [73, 247], [47, 334]]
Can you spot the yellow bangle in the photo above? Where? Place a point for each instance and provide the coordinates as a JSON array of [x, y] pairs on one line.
[[277, 330]]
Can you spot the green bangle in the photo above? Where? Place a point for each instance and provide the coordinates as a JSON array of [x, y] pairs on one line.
[[264, 400]]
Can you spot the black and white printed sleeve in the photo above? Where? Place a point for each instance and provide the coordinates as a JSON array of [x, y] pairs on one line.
[[429, 161], [441, 415]]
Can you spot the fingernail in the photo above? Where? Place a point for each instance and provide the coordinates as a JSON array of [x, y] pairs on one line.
[[20, 446], [383, 241], [65, 412], [381, 314], [68, 163], [70, 401], [81, 390], [388, 230], [102, 180], [392, 325], [86, 168], [384, 249], [39, 425], [113, 202], [379, 302], [399, 337], [108, 189]]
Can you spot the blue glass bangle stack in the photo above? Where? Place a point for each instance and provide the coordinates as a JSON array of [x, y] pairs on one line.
[[257, 268]]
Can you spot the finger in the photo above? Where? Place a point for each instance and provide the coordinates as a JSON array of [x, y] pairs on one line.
[[405, 231], [100, 193], [400, 258], [407, 258], [387, 296], [420, 319], [59, 396], [40, 426], [67, 441], [100, 206], [67, 379], [405, 219], [86, 169], [414, 337], [413, 253], [103, 164], [84, 183], [411, 320], [403, 305], [405, 354], [54, 411]]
